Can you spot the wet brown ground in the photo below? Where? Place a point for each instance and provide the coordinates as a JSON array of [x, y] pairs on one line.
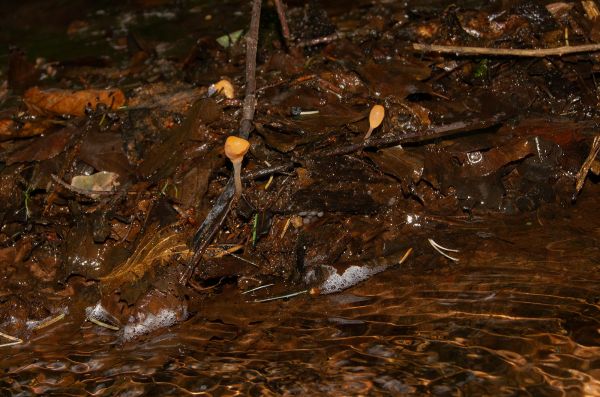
[[517, 315], [491, 150]]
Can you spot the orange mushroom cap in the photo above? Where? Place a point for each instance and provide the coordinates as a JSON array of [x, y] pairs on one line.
[[224, 87], [236, 147], [376, 116]]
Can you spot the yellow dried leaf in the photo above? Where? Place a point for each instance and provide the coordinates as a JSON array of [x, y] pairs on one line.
[[156, 248]]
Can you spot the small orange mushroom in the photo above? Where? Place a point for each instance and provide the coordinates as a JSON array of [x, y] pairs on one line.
[[235, 149], [223, 87], [375, 119]]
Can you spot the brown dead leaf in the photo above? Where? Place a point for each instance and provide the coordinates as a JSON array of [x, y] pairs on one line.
[[6, 127], [396, 78], [71, 102], [9, 129], [43, 148]]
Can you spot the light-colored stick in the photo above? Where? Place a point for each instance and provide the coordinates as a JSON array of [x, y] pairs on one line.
[[517, 52]]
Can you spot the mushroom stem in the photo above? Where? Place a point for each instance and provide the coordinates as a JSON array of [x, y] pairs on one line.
[[237, 177], [368, 133]]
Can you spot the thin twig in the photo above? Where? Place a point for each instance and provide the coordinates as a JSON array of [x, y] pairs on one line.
[[441, 250], [48, 322], [320, 40], [285, 29], [218, 213], [258, 288], [251, 49], [13, 340], [587, 164], [103, 324], [429, 134], [244, 260], [212, 223], [516, 52], [274, 298]]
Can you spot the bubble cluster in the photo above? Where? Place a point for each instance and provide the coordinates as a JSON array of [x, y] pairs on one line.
[[148, 322], [353, 275]]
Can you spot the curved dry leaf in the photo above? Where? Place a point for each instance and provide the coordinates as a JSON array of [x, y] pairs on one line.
[[71, 102]]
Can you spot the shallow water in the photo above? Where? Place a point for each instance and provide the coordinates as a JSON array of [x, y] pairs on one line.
[[517, 315]]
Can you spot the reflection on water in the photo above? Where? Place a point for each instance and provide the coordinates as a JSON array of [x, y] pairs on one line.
[[518, 315]]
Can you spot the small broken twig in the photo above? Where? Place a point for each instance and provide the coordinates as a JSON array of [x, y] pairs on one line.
[[13, 340], [587, 164], [441, 250], [258, 288], [516, 52], [49, 321], [103, 324], [274, 298], [320, 40]]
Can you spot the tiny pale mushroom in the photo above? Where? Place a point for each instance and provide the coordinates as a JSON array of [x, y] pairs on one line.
[[375, 118]]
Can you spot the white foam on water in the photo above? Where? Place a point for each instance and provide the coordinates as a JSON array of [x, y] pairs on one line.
[[353, 275], [98, 312], [146, 323]]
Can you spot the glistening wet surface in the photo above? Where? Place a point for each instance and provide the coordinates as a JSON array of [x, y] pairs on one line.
[[518, 315]]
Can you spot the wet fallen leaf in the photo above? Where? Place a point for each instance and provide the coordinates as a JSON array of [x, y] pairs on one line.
[[400, 163], [164, 157], [99, 182], [396, 79], [104, 151], [84, 256], [486, 163], [71, 102], [9, 129], [43, 148]]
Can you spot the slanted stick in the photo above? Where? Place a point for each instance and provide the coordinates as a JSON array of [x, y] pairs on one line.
[[219, 211], [285, 29], [251, 49]]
